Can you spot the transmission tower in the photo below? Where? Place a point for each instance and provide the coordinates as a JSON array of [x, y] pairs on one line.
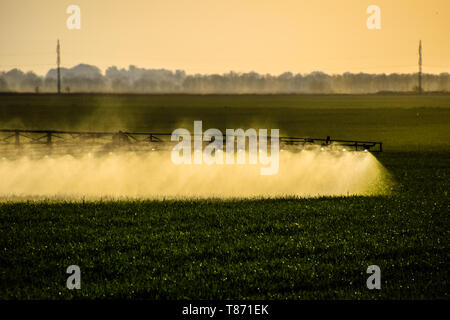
[[58, 62], [420, 66]]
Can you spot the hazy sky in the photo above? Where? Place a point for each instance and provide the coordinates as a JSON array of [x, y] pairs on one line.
[[211, 36]]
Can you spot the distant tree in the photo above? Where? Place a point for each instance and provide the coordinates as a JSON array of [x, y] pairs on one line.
[[3, 85]]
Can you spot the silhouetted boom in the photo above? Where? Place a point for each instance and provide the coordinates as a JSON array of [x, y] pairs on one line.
[[52, 137], [351, 145]]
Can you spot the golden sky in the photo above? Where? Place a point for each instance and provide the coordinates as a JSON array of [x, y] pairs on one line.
[[212, 36]]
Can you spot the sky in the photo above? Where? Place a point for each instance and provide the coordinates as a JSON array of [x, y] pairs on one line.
[[211, 36]]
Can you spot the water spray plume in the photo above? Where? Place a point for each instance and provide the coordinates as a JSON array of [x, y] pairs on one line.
[[153, 175]]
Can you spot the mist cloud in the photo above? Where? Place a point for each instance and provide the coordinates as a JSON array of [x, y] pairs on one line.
[[153, 175]]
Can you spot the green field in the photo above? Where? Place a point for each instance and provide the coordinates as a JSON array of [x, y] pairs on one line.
[[241, 249], [401, 122]]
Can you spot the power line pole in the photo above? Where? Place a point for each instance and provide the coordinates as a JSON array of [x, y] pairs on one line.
[[420, 66], [58, 62]]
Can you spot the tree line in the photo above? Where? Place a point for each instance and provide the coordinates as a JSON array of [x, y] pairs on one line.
[[88, 78]]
